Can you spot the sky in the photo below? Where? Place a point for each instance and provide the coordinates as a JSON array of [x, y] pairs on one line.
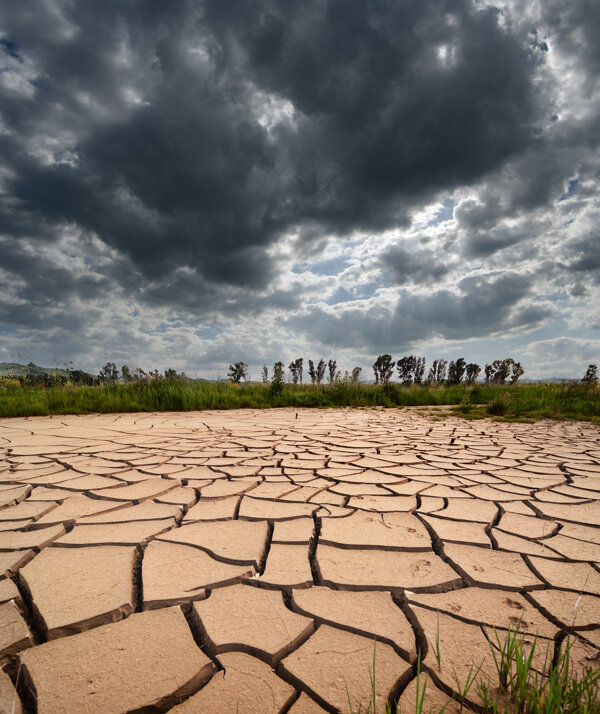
[[194, 183]]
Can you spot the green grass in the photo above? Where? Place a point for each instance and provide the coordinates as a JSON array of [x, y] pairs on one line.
[[508, 402], [521, 688]]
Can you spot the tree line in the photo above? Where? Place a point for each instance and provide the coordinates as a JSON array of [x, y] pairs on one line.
[[410, 369]]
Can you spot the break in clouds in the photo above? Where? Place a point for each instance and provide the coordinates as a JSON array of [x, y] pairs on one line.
[[194, 183]]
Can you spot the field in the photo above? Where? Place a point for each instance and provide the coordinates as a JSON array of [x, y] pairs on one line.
[[513, 402], [298, 560]]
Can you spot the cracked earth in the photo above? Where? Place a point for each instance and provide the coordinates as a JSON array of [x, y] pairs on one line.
[[250, 561]]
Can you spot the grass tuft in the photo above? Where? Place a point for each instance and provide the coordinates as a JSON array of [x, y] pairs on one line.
[[521, 687]]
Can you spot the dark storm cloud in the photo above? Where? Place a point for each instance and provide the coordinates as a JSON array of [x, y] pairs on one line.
[[188, 177], [193, 152]]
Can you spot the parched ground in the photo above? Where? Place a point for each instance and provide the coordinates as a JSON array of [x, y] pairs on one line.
[[259, 561]]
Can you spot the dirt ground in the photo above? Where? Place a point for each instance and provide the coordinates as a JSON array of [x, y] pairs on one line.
[[261, 561]]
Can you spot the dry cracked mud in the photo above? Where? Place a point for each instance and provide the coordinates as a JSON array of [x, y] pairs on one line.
[[257, 561]]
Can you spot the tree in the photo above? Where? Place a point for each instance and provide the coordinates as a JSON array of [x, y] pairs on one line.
[[591, 375], [295, 368], [333, 373], [139, 375], [501, 369], [109, 374], [237, 372], [516, 372], [312, 373], [265, 374], [406, 369], [419, 369], [473, 371], [356, 375], [320, 371], [437, 373], [277, 381], [383, 367], [456, 371], [126, 372], [173, 375]]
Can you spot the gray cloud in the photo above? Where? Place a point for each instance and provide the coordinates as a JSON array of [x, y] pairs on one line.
[[193, 151]]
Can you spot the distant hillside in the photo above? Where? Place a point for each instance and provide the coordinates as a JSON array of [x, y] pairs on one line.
[[8, 369]]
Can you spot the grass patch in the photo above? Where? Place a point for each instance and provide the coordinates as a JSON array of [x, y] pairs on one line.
[[520, 687], [524, 402]]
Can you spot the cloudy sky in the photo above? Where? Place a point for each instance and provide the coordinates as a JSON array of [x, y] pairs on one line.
[[187, 184]]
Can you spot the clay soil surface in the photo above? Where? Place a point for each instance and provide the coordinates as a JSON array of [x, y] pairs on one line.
[[254, 561]]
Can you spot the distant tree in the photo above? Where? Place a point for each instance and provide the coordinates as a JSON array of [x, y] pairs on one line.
[[333, 373], [109, 374], [299, 363], [419, 369], [321, 371], [456, 371], [502, 369], [173, 375], [126, 373], [355, 377], [312, 372], [437, 373], [277, 380], [265, 373], [237, 372], [295, 368], [591, 375], [517, 371], [79, 377], [139, 375], [383, 367], [473, 371], [406, 369]]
